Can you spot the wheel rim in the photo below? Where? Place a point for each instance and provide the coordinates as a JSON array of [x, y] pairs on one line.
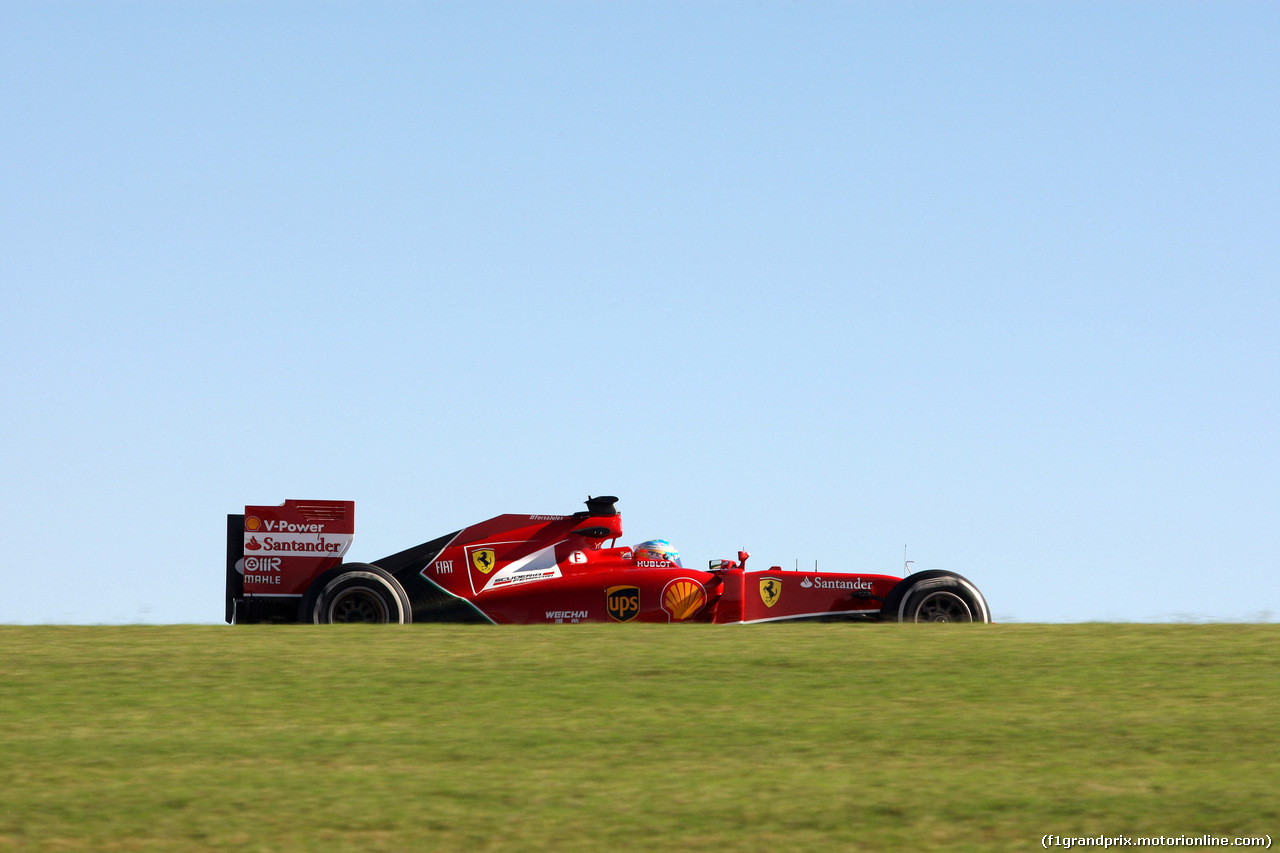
[[943, 606], [358, 605]]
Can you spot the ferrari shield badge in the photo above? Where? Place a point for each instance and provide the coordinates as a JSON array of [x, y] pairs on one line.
[[770, 589], [483, 560]]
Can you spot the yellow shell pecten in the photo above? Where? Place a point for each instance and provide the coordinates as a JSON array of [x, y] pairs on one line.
[[683, 599]]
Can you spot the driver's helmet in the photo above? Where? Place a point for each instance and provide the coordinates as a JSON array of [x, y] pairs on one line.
[[658, 549]]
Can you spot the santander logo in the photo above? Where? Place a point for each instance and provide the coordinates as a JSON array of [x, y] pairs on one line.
[[851, 583], [252, 544]]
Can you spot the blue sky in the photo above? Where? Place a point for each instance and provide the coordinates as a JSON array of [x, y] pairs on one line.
[[999, 283]]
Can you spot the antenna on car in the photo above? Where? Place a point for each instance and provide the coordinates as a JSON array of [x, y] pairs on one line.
[[906, 564]]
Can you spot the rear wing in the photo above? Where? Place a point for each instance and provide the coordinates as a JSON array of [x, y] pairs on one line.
[[275, 552]]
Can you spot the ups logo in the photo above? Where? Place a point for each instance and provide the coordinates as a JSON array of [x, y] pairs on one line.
[[622, 602]]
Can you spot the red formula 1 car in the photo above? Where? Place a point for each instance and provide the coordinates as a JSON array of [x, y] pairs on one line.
[[284, 564]]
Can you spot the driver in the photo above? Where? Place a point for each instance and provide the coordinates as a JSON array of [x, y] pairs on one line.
[[656, 551]]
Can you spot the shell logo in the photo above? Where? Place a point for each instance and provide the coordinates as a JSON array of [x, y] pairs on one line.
[[252, 523], [683, 598]]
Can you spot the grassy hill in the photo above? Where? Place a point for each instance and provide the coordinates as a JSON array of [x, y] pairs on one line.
[[622, 737]]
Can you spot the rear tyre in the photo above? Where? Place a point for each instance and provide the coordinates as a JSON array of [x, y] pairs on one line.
[[935, 596], [355, 592]]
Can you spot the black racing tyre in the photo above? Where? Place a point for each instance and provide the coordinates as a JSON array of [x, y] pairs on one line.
[[355, 592], [935, 596]]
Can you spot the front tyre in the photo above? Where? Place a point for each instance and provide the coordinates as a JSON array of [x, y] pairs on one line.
[[935, 596], [355, 592]]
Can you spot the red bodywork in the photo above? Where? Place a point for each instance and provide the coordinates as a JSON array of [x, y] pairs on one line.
[[526, 569], [542, 571]]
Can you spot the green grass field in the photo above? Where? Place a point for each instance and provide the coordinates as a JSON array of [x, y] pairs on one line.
[[622, 737]]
